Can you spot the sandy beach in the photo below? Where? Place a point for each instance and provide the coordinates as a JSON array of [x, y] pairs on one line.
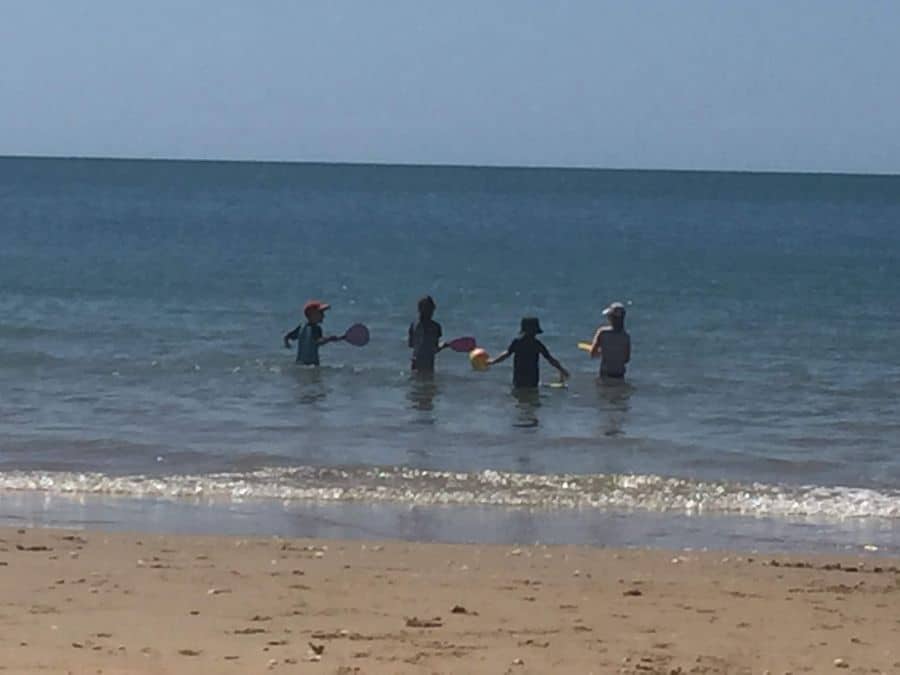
[[92, 602]]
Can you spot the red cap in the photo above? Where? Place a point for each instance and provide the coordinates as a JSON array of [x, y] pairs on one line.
[[315, 305]]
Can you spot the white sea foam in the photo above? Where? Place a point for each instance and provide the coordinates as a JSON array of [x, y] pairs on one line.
[[485, 488]]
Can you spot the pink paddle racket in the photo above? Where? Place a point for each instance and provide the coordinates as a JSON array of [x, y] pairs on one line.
[[462, 344], [357, 335]]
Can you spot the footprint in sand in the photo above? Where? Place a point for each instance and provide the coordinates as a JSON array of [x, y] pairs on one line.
[[249, 631]]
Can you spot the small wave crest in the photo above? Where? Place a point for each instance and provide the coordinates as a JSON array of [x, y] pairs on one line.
[[485, 488]]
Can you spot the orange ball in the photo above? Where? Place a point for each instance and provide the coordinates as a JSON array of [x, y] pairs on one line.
[[479, 359]]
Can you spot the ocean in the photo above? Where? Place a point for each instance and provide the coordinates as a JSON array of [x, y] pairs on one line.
[[143, 304]]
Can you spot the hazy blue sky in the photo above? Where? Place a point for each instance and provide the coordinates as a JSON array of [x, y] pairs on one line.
[[770, 84]]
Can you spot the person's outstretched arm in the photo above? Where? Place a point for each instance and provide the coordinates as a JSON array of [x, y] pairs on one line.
[[596, 347], [552, 361], [500, 358], [441, 346], [292, 335], [322, 340]]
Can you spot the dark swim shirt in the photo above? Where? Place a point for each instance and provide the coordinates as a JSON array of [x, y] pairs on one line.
[[424, 339], [526, 350], [307, 338]]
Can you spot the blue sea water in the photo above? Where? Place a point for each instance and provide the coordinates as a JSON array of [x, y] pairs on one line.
[[142, 306]]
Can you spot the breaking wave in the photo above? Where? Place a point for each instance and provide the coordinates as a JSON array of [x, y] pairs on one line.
[[484, 488]]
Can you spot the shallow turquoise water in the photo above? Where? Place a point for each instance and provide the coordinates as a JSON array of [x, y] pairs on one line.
[[142, 306]]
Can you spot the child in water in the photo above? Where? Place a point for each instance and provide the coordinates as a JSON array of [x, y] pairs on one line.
[[527, 348], [309, 335], [425, 337], [612, 343]]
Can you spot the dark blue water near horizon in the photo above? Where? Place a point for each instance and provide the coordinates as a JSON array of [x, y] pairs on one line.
[[142, 305]]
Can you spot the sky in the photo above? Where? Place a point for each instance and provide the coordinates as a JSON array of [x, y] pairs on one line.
[[770, 85]]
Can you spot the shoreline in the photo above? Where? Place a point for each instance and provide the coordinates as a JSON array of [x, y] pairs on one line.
[[453, 524], [137, 602]]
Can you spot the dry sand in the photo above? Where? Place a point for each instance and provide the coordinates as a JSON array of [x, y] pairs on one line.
[[91, 602]]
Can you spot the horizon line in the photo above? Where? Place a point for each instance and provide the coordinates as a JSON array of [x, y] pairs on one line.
[[438, 165]]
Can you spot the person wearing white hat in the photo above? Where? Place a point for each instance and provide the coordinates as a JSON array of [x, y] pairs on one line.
[[612, 343]]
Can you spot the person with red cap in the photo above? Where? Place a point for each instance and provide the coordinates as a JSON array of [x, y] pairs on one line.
[[309, 335]]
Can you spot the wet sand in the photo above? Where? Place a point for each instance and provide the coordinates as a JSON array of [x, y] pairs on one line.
[[92, 602]]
